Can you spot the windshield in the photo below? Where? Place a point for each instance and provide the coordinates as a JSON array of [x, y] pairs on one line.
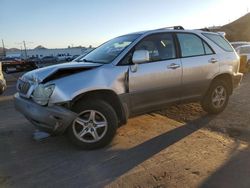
[[107, 52]]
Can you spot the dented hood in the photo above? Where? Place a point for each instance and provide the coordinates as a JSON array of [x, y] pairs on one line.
[[46, 74]]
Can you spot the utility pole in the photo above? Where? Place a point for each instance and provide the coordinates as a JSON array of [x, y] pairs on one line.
[[4, 52], [25, 50]]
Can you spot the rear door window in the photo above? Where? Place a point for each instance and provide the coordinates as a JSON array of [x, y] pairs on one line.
[[192, 45]]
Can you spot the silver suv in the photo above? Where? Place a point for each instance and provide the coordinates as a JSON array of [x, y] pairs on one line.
[[130, 75]]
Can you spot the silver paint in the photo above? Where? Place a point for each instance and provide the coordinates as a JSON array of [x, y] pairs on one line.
[[150, 85]]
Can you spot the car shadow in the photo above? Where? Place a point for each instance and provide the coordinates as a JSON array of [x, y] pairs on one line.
[[55, 160], [128, 159], [234, 173]]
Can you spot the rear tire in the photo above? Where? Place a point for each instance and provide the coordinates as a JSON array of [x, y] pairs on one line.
[[95, 126], [216, 99]]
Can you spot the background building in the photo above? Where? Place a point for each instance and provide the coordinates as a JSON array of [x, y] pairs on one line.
[[41, 52]]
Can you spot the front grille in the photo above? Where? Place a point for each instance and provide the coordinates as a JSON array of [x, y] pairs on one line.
[[23, 87]]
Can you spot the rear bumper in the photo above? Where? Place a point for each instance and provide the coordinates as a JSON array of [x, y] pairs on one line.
[[237, 78], [53, 119]]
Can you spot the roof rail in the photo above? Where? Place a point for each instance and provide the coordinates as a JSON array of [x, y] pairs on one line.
[[174, 27], [205, 29]]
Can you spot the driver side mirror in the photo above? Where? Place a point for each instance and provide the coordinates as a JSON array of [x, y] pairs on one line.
[[140, 56]]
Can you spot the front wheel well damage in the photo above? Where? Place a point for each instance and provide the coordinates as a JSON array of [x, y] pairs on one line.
[[106, 95]]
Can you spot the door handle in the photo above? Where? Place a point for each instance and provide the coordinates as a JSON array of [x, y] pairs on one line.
[[213, 60], [173, 66]]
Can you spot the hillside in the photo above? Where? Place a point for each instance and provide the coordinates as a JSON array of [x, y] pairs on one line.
[[239, 30], [8, 50]]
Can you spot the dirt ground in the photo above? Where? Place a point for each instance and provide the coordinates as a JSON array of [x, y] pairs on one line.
[[234, 121], [181, 146]]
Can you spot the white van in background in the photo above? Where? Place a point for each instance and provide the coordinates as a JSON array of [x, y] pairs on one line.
[[64, 57], [244, 50], [239, 43]]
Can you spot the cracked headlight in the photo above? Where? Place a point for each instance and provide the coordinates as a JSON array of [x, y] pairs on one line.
[[41, 94]]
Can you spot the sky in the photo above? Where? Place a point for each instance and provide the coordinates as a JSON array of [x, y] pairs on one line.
[[63, 23]]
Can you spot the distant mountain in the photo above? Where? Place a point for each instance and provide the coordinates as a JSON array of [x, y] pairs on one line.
[[12, 49], [40, 47], [8, 50], [239, 30]]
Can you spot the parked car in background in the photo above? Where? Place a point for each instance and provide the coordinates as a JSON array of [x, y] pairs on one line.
[[2, 80], [75, 57], [244, 50], [78, 57], [10, 65], [31, 63], [127, 76], [239, 43], [64, 57], [49, 60]]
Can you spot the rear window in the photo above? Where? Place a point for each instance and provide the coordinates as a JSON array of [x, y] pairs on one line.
[[220, 41]]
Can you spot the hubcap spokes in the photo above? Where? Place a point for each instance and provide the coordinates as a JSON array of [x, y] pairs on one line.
[[90, 126], [219, 97]]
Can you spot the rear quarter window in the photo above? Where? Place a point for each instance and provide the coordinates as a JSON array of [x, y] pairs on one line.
[[219, 41]]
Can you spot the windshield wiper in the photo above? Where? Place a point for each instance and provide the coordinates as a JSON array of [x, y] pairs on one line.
[[86, 60], [90, 61]]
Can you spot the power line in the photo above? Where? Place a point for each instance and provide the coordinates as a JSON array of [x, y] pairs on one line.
[[25, 50], [4, 51]]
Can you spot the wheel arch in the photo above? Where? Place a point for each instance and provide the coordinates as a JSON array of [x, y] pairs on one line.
[[108, 96], [227, 77]]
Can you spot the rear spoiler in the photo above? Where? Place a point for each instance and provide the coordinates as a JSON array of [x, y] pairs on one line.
[[222, 33]]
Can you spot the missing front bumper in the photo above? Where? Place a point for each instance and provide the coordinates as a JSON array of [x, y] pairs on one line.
[[54, 119]]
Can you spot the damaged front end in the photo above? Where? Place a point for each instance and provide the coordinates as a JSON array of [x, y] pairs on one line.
[[43, 93], [35, 89], [36, 84], [54, 119]]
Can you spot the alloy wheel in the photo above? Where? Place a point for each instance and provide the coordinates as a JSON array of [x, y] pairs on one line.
[[219, 97], [90, 126]]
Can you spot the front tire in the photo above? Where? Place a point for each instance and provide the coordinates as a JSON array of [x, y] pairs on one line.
[[216, 99], [95, 125]]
